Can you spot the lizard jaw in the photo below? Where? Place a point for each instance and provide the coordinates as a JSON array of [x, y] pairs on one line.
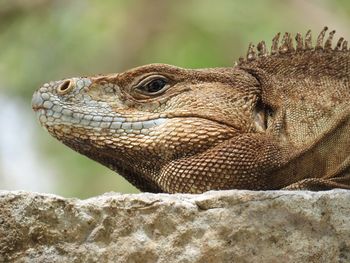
[[50, 113]]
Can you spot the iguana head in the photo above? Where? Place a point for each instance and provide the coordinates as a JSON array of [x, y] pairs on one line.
[[269, 122], [140, 121]]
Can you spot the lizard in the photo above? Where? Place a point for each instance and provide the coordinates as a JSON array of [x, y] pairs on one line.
[[277, 119]]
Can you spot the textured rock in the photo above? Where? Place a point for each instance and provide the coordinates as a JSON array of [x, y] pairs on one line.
[[224, 226]]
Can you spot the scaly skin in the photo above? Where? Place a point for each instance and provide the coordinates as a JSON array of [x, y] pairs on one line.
[[273, 121]]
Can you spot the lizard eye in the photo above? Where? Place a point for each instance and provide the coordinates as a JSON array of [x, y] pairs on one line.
[[153, 86]]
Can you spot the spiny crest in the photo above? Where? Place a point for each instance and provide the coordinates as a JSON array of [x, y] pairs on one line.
[[287, 45]]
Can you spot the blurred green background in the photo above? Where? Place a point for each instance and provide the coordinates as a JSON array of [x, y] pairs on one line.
[[44, 40]]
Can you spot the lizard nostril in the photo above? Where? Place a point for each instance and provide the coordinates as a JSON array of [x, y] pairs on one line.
[[65, 87]]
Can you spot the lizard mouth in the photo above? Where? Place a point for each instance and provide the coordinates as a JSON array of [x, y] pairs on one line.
[[37, 102], [37, 108], [118, 124], [50, 114], [48, 117]]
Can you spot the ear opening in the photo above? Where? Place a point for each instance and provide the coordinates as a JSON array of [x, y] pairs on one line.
[[263, 115], [264, 110]]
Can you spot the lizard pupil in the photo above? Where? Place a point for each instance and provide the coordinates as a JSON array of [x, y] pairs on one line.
[[155, 85]]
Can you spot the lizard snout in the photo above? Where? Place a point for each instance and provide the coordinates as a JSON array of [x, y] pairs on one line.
[[37, 101]]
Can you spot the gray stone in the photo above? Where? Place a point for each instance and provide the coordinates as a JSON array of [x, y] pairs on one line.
[[221, 226]]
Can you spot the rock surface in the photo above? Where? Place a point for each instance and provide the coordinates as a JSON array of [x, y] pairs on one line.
[[222, 226]]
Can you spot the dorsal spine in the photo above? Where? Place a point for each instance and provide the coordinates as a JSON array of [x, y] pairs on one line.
[[301, 45]]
